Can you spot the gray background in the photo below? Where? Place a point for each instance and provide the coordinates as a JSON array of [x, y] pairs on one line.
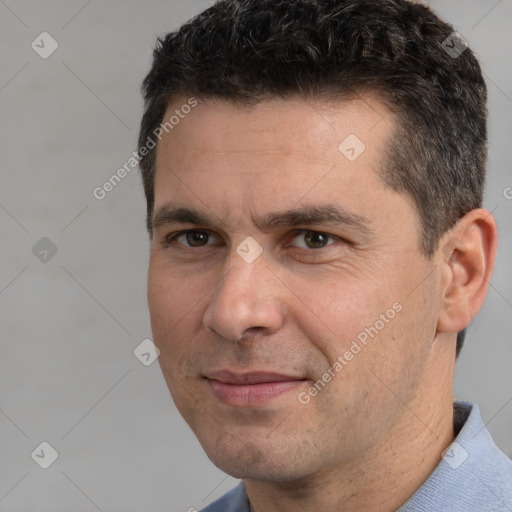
[[69, 325]]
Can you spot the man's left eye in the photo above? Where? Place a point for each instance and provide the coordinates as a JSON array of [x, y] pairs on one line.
[[313, 239]]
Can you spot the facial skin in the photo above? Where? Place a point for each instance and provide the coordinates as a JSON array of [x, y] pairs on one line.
[[377, 429]]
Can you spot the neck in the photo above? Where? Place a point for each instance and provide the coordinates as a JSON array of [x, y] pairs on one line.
[[387, 475]]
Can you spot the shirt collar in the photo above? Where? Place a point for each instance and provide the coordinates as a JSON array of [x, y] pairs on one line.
[[473, 474]]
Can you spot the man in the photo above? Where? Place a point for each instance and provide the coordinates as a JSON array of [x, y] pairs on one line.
[[314, 175]]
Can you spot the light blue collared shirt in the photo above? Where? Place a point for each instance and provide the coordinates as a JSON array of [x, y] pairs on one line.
[[473, 476]]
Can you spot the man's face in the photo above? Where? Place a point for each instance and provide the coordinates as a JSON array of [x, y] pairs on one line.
[[244, 336]]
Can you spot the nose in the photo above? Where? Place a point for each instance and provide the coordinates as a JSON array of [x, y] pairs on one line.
[[248, 297]]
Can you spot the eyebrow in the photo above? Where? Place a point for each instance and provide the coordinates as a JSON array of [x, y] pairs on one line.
[[306, 215]]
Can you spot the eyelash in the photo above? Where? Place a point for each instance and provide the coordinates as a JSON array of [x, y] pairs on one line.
[[170, 239]]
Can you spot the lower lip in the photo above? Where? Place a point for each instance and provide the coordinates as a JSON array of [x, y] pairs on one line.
[[251, 394]]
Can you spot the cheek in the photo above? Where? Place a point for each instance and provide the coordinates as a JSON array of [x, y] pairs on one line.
[[358, 332], [170, 303], [171, 295], [333, 312], [170, 314]]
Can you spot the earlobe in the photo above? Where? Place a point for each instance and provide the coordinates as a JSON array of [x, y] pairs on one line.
[[466, 255]]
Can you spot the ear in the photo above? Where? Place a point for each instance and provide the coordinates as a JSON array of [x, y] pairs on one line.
[[466, 255]]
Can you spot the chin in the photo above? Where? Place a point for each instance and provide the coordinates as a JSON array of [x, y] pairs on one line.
[[249, 460], [262, 472]]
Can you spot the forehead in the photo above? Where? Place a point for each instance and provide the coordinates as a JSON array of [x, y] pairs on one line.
[[307, 128], [221, 156]]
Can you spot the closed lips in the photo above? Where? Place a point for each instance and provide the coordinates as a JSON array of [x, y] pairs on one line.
[[240, 379]]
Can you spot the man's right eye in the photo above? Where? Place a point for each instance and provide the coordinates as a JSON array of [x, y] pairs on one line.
[[189, 238]]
